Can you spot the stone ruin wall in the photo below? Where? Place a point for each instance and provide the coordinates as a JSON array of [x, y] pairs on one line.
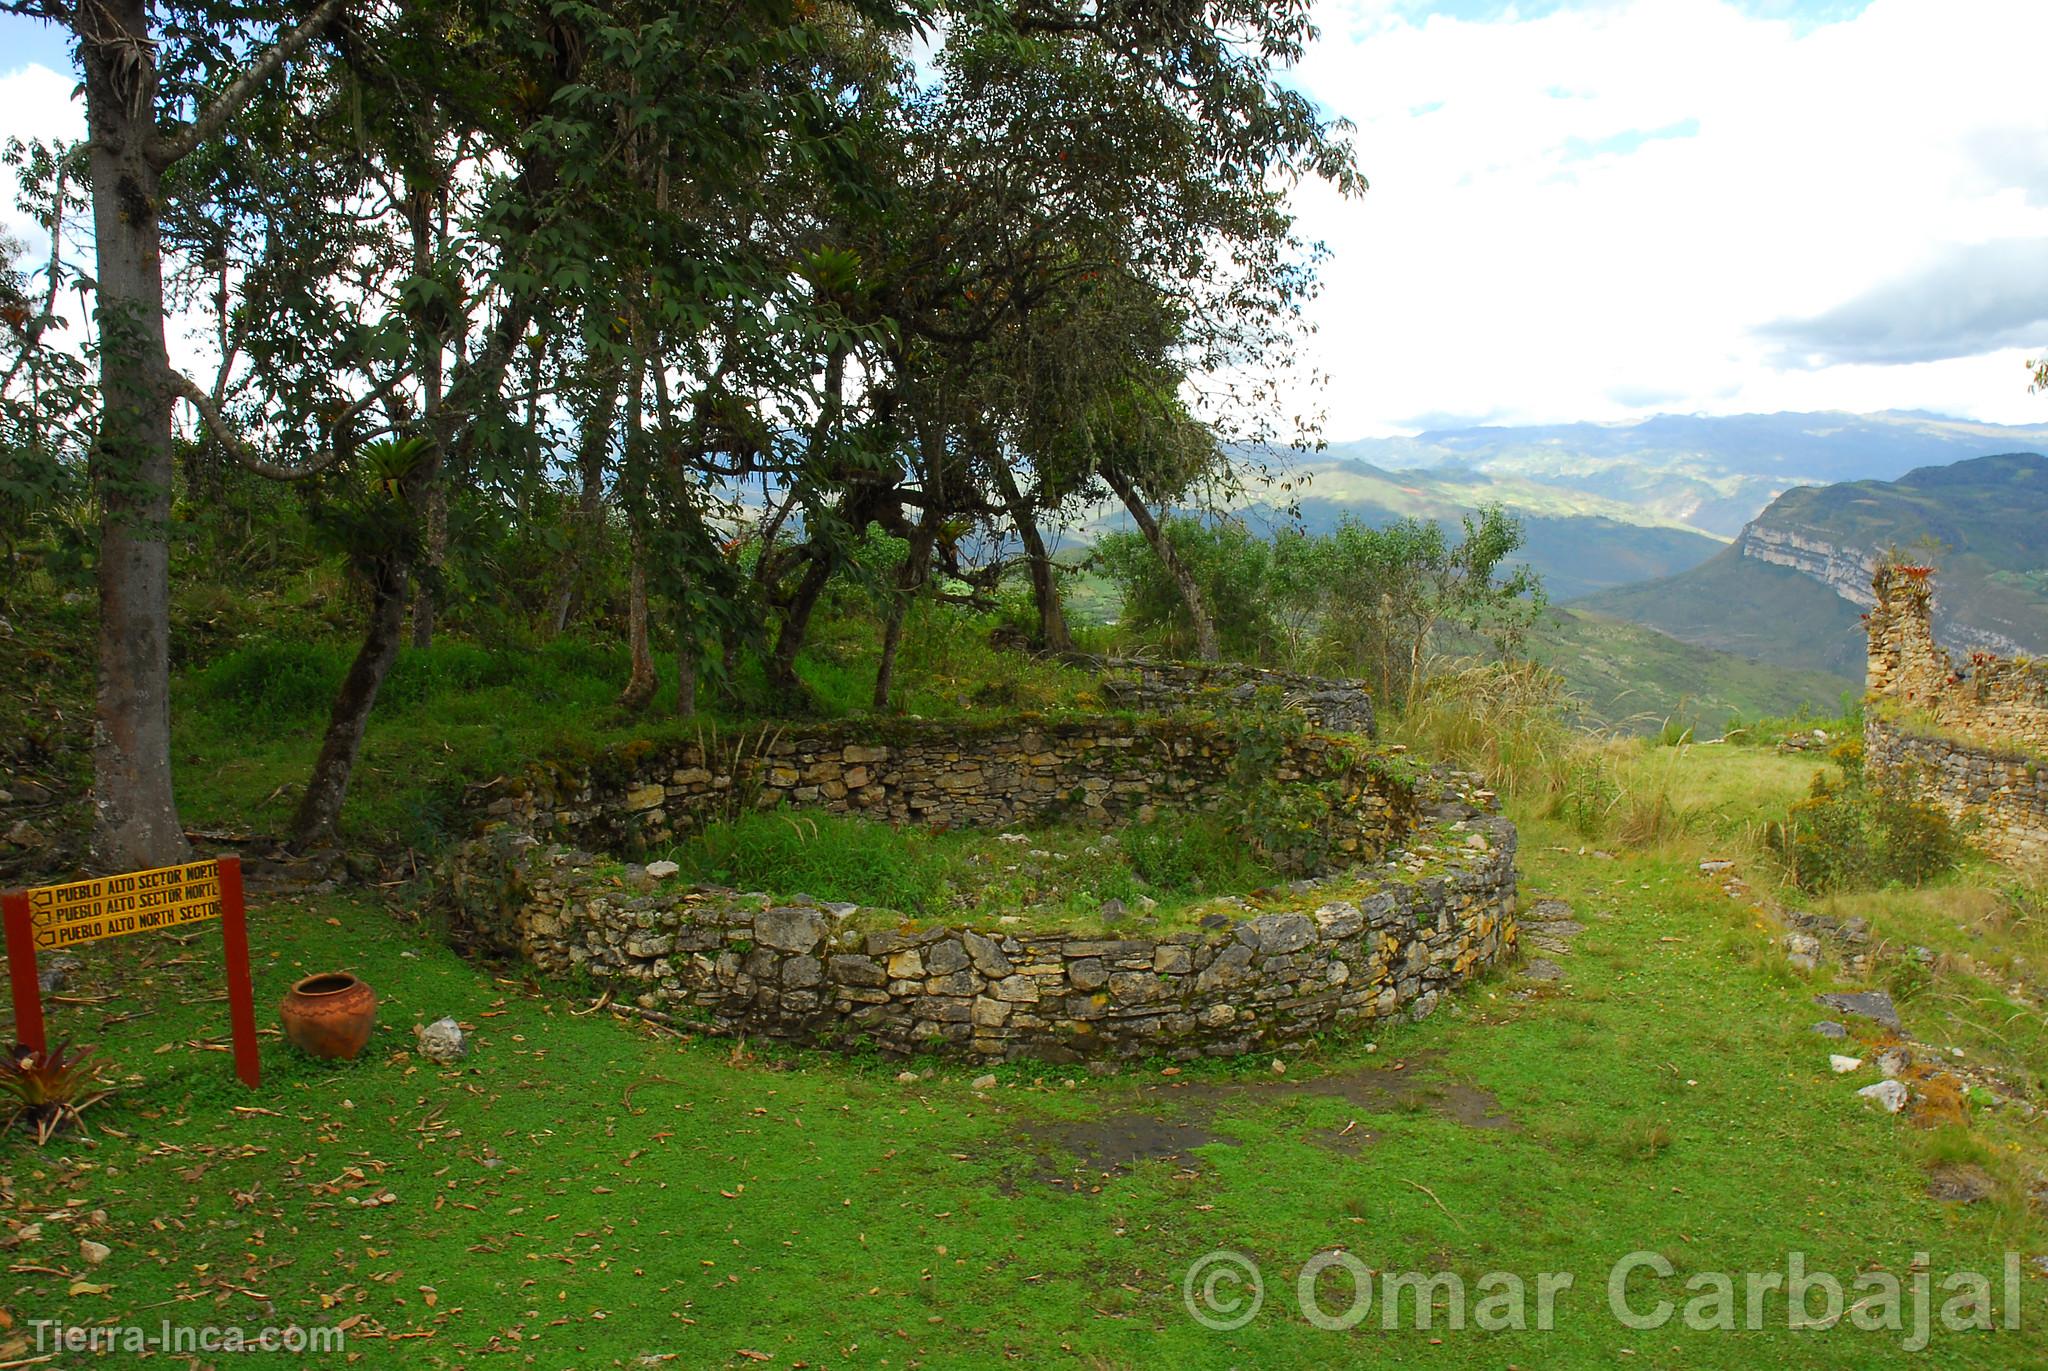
[[1969, 739], [1338, 706], [936, 775], [2001, 797], [1337, 951]]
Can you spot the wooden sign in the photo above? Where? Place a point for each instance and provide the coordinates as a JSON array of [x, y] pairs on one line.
[[111, 906], [51, 917]]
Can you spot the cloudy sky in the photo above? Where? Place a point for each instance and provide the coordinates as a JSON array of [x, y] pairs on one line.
[[1601, 209]]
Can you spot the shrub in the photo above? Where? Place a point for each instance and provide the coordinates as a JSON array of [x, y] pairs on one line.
[[1508, 721], [1916, 841], [51, 1089], [1847, 833], [273, 681], [1188, 854]]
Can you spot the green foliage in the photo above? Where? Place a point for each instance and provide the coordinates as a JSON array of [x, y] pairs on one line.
[[1845, 724], [1358, 601], [1062, 875], [825, 855], [1847, 833], [1234, 568], [272, 682], [1190, 854]]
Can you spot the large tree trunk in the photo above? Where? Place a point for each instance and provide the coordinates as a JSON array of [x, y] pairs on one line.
[[420, 214], [434, 545], [796, 626], [320, 808], [687, 660], [1183, 577], [1045, 587], [135, 816], [640, 680]]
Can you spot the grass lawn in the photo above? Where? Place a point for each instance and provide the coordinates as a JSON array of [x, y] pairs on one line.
[[587, 1192], [1161, 874]]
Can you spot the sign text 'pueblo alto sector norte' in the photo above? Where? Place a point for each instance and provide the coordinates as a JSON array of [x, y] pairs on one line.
[[134, 902], [158, 900]]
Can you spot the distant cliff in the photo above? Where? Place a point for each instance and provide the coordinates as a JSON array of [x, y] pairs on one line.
[[1844, 569], [1792, 587]]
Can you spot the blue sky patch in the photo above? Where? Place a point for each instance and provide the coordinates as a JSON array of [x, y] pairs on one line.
[[1627, 141]]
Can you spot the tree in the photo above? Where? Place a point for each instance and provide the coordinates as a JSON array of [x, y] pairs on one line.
[[137, 136], [1233, 568], [1387, 590]]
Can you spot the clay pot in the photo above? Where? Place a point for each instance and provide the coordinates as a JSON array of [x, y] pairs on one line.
[[330, 1015]]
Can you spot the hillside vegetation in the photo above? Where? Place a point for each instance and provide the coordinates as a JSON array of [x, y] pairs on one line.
[[1578, 543], [1637, 679]]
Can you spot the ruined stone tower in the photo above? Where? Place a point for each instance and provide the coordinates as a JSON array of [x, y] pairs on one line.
[[1905, 664], [1970, 740]]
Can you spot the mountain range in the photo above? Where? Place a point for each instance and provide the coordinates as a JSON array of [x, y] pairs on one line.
[[1702, 566], [1791, 589], [1706, 472]]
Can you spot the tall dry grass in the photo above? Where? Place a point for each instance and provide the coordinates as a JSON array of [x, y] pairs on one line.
[[1515, 724]]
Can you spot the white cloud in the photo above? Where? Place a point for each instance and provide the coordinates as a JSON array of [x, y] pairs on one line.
[[1598, 212], [38, 104], [1602, 210]]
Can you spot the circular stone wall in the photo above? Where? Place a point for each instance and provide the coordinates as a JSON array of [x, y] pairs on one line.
[[1424, 900]]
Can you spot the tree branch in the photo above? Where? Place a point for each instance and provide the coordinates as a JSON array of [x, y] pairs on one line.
[[166, 150], [190, 390]]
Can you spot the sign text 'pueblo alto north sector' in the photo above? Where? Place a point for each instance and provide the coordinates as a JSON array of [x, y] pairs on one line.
[[135, 902]]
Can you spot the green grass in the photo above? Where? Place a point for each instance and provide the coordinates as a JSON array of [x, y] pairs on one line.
[[1031, 878], [587, 1192]]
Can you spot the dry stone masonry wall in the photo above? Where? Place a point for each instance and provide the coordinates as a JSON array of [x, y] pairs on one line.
[[1970, 740], [937, 775], [2001, 796], [1339, 706], [1425, 901]]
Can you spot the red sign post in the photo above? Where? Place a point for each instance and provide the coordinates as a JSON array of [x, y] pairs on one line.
[[54, 916]]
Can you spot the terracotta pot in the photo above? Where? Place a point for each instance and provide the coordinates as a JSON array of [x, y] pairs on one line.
[[330, 1015]]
